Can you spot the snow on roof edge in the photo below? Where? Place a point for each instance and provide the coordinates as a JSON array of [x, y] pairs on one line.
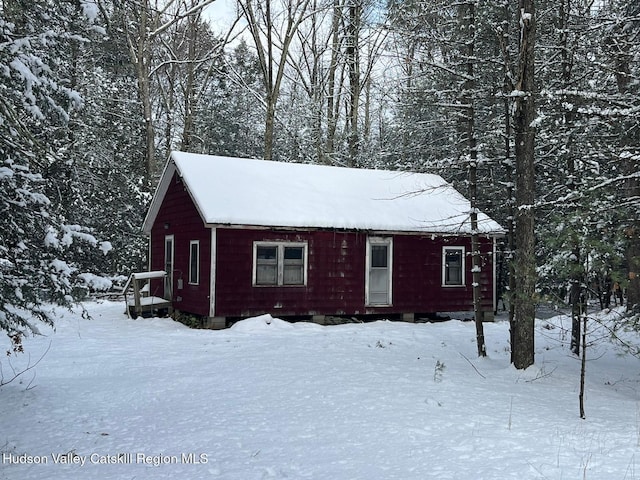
[[190, 167]]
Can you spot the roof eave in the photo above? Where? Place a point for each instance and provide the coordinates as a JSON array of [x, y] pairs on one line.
[[238, 226]]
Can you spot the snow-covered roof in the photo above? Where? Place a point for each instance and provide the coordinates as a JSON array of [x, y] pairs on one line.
[[260, 193]]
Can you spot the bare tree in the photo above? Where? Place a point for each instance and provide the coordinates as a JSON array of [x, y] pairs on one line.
[[363, 42], [144, 22], [273, 27], [191, 57]]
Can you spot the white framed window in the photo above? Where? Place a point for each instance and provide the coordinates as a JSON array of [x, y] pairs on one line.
[[453, 266], [378, 279], [194, 262], [280, 263]]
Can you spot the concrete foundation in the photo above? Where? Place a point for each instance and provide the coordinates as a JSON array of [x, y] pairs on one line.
[[409, 317], [215, 323], [319, 319]]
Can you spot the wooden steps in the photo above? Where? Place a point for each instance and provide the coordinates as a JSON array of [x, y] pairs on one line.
[[142, 302]]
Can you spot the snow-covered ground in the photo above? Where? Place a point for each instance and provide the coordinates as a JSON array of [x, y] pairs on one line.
[[381, 400]]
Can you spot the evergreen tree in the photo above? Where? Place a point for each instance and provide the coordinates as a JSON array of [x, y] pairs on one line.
[[97, 178], [35, 105], [587, 132]]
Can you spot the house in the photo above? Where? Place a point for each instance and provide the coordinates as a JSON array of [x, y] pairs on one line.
[[242, 237]]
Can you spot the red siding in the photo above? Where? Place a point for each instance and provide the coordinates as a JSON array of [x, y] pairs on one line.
[[336, 275], [417, 275], [336, 269], [335, 283], [181, 219]]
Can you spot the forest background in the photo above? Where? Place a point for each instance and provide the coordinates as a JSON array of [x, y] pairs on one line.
[[96, 93]]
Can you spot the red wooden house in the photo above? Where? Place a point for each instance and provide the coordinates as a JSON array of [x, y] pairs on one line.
[[241, 237]]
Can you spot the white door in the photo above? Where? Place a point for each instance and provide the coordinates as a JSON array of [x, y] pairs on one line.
[[378, 281], [168, 266]]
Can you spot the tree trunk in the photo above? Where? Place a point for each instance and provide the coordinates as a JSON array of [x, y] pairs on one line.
[[583, 364], [508, 163], [576, 312], [317, 88], [272, 96], [189, 89], [476, 262], [469, 86], [525, 265], [269, 128], [141, 55], [573, 184], [353, 62], [332, 89]]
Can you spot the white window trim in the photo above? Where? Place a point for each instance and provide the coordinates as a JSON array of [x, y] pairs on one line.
[[445, 250], [378, 241], [280, 276], [197, 244]]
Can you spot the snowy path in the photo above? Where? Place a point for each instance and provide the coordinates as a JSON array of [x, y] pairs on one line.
[[302, 401]]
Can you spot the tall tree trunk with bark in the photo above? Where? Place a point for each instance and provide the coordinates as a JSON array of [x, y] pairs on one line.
[[525, 265], [190, 89], [469, 86], [503, 33], [568, 117], [353, 63], [140, 49], [334, 85]]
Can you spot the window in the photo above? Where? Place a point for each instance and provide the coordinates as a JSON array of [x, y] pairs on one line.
[[279, 264], [378, 274], [453, 266], [379, 257], [266, 265], [293, 266], [194, 262]]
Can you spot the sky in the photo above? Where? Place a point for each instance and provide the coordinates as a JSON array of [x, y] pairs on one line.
[[221, 13]]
